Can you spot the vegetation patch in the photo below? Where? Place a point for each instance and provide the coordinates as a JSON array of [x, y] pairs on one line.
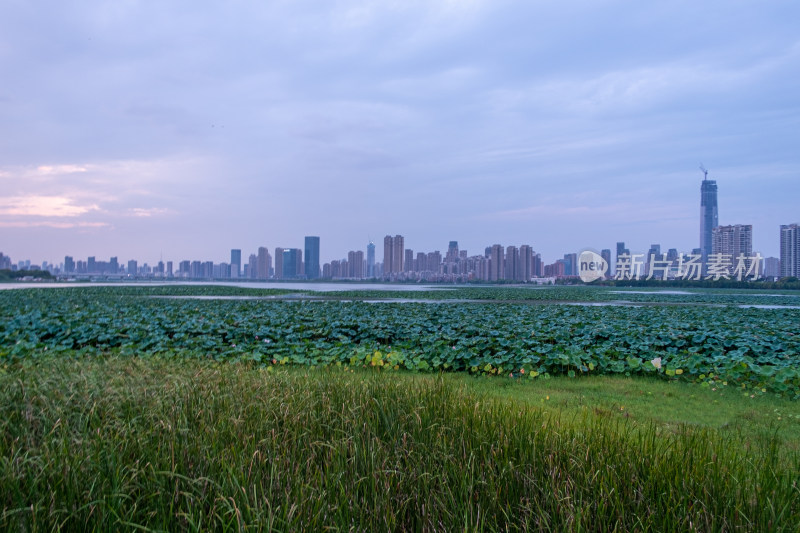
[[718, 345], [117, 443]]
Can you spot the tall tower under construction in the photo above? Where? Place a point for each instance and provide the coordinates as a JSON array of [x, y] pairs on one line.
[[709, 217]]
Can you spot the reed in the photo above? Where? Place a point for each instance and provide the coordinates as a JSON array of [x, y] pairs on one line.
[[150, 444]]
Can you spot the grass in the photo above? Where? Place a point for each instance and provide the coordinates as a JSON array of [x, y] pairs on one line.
[[108, 444], [752, 419]]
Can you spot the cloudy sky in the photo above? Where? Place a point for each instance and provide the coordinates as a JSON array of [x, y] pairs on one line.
[[182, 129]]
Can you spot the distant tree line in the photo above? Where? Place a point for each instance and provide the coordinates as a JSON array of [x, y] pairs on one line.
[[15, 275]]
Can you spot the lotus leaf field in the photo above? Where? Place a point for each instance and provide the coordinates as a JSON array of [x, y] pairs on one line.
[[708, 337]]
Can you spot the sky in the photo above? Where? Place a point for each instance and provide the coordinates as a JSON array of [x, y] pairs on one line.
[[182, 129]]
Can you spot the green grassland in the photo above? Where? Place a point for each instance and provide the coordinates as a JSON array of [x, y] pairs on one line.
[[153, 444], [197, 408]]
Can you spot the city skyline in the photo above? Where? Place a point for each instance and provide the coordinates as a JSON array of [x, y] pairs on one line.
[[396, 254], [731, 253], [189, 130]]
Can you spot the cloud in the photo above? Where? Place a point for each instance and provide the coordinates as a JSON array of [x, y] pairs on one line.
[[49, 170], [358, 112], [147, 212], [43, 206], [52, 224]]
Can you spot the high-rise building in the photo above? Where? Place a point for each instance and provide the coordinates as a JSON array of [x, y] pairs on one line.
[[433, 261], [393, 255], [292, 259], [207, 269], [133, 269], [653, 254], [452, 252], [605, 253], [312, 258], [621, 250], [709, 218], [672, 254], [388, 248], [371, 260], [196, 270], [732, 240], [397, 253], [336, 269], [772, 267], [538, 267], [496, 265], [571, 264], [556, 270], [408, 260], [525, 263], [421, 262], [264, 263], [69, 264], [222, 271], [511, 263], [279, 263], [236, 263], [790, 250], [355, 264]]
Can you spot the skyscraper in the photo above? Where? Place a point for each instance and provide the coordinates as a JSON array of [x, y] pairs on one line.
[[452, 252], [236, 263], [387, 255], [371, 260], [291, 262], [512, 263], [571, 264], [397, 254], [732, 240], [355, 264], [621, 250], [790, 250], [393, 255], [709, 218], [264, 263], [772, 268], [408, 261], [312, 258], [605, 253], [496, 265], [653, 254], [279, 262], [525, 263]]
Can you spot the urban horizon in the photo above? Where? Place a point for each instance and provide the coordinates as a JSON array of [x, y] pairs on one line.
[[731, 245], [518, 263]]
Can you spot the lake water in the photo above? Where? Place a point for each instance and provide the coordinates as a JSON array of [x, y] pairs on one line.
[[296, 286]]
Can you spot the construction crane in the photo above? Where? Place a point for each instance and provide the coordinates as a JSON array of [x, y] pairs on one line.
[[705, 172]]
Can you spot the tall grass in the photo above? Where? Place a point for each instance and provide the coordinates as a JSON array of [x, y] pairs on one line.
[[157, 445]]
